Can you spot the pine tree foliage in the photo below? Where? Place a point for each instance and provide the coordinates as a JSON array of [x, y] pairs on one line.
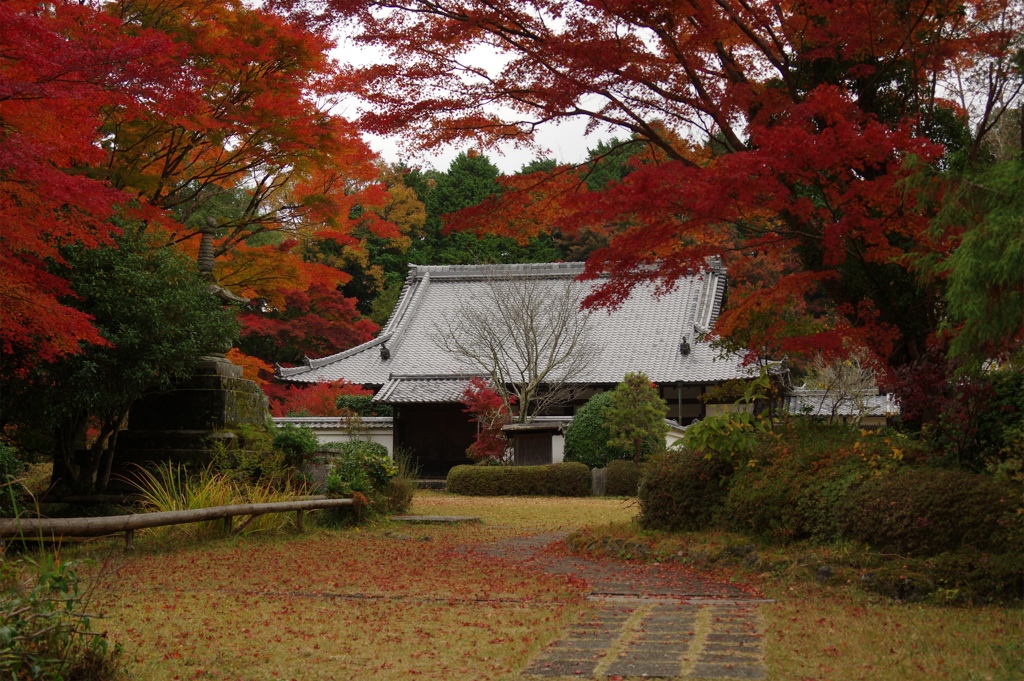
[[636, 415]]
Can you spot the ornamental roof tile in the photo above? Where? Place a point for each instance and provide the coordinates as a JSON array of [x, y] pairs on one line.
[[643, 334]]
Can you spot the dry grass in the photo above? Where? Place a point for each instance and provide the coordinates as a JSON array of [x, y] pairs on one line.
[[529, 514], [399, 601], [172, 488], [814, 633], [384, 602], [840, 633], [352, 605]]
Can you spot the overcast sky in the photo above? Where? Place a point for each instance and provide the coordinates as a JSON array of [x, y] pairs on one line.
[[566, 143]]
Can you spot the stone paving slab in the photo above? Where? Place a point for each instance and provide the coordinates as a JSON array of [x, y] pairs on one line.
[[707, 672], [652, 621]]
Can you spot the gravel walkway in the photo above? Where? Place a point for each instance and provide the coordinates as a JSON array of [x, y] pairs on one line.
[[648, 621]]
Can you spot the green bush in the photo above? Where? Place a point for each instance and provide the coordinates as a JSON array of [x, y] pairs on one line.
[[360, 466], [623, 478], [44, 628], [636, 417], [554, 480], [681, 490], [925, 511], [794, 497], [298, 443], [586, 438], [363, 405], [250, 456], [11, 467]]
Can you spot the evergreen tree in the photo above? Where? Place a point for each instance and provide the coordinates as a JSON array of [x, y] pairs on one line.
[[636, 415]]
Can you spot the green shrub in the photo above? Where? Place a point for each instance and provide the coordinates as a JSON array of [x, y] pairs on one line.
[[250, 456], [586, 438], [623, 478], [681, 490], [793, 497], [360, 466], [799, 474], [556, 480], [298, 443], [363, 405], [44, 629], [11, 468], [926, 511], [974, 577]]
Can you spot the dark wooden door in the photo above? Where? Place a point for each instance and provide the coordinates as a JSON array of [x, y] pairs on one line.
[[437, 434], [533, 449]]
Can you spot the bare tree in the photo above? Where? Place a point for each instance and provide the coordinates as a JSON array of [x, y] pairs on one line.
[[529, 335], [844, 383]]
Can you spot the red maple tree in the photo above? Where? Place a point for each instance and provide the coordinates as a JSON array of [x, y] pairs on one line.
[[782, 138], [179, 114], [489, 410], [62, 64], [318, 399]]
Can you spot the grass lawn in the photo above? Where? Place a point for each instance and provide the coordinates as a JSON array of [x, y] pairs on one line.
[[402, 601], [389, 601]]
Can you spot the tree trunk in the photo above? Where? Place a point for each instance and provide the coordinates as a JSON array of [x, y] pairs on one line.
[[68, 435]]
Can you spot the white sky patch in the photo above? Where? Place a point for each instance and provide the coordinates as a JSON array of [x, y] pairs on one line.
[[566, 141]]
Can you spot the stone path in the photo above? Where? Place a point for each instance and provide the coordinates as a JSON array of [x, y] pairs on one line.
[[649, 621]]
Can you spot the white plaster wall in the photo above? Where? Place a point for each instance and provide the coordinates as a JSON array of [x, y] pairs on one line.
[[382, 436], [557, 448], [674, 435], [332, 429]]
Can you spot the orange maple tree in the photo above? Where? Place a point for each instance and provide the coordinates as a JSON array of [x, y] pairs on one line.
[[180, 114], [782, 135]]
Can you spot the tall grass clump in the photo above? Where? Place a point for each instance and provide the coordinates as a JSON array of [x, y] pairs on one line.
[[45, 629], [11, 489], [171, 487], [399, 491]]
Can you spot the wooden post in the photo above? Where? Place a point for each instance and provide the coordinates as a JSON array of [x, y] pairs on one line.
[[129, 540], [229, 523], [298, 521]]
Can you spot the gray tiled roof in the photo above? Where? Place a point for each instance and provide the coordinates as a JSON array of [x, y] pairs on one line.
[[406, 389], [335, 422], [822, 403], [642, 335]]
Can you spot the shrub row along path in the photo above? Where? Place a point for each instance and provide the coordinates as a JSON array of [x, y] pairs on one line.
[[647, 621]]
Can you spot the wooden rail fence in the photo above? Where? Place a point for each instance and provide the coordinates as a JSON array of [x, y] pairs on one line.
[[55, 528]]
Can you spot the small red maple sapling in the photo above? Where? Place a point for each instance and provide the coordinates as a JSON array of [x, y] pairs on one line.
[[491, 413]]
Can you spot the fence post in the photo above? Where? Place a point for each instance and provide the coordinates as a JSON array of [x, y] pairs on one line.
[[229, 525], [298, 521], [598, 481], [129, 540]]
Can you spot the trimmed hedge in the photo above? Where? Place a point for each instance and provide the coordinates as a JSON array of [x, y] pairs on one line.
[[623, 478], [682, 490], [926, 511], [554, 480]]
